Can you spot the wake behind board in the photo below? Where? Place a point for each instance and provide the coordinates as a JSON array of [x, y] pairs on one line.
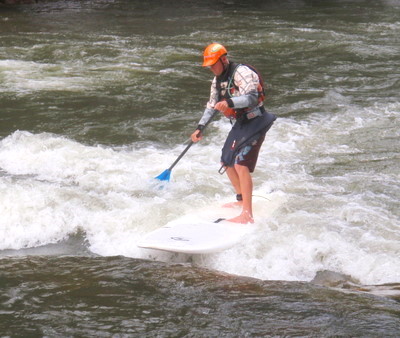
[[195, 237]]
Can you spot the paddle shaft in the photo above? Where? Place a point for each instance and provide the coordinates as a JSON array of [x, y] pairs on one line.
[[191, 143], [181, 155]]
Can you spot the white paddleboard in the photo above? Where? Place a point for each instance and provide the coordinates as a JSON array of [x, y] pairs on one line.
[[196, 233], [195, 237]]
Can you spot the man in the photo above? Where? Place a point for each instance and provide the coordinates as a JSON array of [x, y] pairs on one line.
[[237, 92]]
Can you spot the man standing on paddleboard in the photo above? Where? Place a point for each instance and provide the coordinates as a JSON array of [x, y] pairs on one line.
[[237, 91]]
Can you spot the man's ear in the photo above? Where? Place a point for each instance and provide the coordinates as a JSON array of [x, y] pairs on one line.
[[224, 59]]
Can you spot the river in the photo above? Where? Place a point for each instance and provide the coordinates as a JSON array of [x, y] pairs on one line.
[[99, 97]]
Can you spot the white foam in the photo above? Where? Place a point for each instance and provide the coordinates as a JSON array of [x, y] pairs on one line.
[[27, 76], [52, 187]]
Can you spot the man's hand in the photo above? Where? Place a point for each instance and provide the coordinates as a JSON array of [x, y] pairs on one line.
[[223, 107], [196, 136]]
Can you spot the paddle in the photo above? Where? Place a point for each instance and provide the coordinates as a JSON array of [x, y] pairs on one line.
[[166, 174]]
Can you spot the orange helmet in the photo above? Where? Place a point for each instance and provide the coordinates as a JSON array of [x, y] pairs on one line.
[[212, 53]]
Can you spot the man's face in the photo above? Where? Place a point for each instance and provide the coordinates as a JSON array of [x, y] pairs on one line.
[[218, 67]]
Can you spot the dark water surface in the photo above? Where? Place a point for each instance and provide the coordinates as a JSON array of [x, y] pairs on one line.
[[81, 296], [98, 97]]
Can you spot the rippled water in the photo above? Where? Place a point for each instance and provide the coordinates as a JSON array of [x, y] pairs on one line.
[[99, 97], [106, 296]]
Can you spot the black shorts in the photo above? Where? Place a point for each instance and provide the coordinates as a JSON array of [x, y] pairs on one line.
[[244, 141], [248, 155]]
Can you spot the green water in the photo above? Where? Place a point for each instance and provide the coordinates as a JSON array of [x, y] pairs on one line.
[[98, 97]]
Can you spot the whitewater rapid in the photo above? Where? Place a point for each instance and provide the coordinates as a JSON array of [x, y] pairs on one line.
[[328, 213]]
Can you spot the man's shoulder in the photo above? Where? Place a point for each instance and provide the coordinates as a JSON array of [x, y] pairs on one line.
[[244, 69]]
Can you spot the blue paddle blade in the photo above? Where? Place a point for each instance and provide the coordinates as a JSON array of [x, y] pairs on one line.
[[164, 176]]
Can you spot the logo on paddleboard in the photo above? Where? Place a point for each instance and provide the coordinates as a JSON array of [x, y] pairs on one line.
[[180, 239]]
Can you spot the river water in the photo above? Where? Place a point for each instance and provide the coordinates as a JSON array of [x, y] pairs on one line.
[[99, 97]]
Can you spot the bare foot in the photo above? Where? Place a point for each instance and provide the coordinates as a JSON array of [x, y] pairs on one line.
[[233, 204], [243, 218]]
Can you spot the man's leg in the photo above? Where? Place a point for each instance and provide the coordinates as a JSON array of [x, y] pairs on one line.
[[246, 189], [240, 177], [234, 178]]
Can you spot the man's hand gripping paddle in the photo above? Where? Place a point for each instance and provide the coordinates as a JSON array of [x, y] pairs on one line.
[[166, 174]]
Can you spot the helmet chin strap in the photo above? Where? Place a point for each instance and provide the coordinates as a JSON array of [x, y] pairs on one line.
[[225, 66]]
